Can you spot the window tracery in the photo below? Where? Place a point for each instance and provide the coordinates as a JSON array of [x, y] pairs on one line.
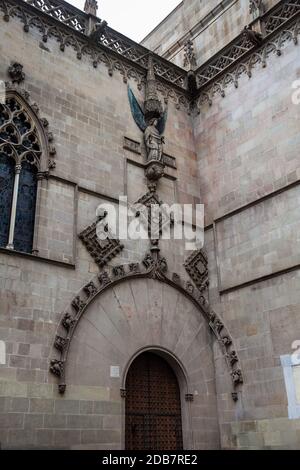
[[24, 153]]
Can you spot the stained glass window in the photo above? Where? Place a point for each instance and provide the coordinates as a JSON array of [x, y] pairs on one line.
[[7, 176], [24, 226]]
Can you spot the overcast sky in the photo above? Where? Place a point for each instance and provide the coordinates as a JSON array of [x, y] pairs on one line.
[[134, 18]]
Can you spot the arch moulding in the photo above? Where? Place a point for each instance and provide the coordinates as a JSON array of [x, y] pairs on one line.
[[151, 268]]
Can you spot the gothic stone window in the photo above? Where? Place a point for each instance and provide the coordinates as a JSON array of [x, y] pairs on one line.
[[20, 155]]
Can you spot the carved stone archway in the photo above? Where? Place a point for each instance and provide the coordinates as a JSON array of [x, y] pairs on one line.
[[153, 268]]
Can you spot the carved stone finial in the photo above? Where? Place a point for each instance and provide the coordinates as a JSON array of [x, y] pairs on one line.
[[189, 55], [254, 37], [152, 106], [15, 71], [91, 7]]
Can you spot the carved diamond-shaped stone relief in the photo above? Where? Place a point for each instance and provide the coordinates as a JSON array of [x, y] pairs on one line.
[[102, 251], [161, 219], [196, 266]]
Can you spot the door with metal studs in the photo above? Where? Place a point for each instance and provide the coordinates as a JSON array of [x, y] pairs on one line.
[[153, 407]]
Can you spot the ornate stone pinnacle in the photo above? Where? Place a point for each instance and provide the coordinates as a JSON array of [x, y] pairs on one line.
[[152, 106], [91, 7], [189, 55]]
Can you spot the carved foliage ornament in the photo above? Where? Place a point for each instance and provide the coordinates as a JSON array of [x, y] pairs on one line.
[[189, 55], [231, 357]]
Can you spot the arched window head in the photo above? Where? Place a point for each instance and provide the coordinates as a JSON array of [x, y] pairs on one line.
[[24, 136], [18, 134], [25, 153]]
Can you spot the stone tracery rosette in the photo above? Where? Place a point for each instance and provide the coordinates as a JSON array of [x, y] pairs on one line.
[[23, 133]]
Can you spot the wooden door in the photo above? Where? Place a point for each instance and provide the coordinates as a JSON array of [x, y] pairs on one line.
[[153, 408]]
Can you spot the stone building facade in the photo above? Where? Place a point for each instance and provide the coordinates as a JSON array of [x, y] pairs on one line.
[[76, 315]]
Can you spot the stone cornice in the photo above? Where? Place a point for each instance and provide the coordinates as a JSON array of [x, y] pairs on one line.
[[281, 24], [69, 26]]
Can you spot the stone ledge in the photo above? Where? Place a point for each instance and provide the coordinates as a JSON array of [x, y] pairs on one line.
[[32, 257], [257, 280]]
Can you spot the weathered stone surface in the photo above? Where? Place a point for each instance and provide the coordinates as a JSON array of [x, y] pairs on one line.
[[240, 154]]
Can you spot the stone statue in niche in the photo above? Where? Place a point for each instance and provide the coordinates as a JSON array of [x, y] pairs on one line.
[[151, 119], [153, 141]]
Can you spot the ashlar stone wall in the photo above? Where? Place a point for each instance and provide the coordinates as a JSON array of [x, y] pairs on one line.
[[248, 156], [89, 114]]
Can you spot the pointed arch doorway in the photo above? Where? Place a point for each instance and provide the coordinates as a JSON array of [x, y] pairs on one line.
[[153, 405]]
